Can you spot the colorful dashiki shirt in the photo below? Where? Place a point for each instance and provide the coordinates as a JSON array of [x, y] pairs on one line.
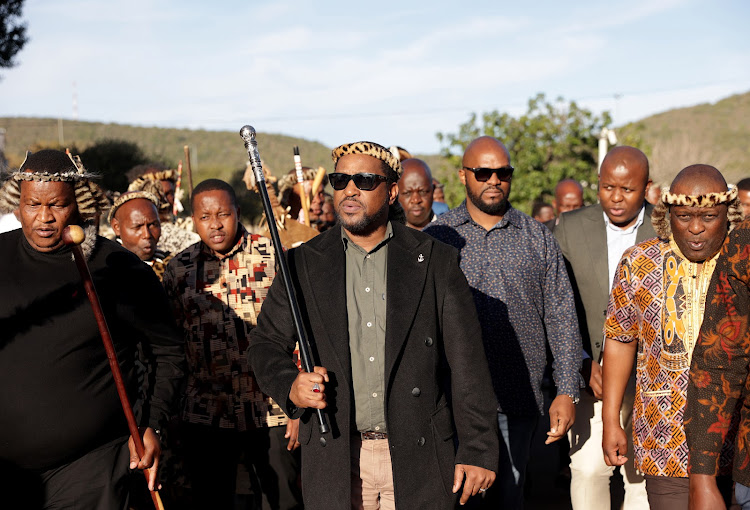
[[216, 302], [657, 300]]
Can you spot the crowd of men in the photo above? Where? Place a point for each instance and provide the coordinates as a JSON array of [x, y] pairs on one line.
[[436, 335]]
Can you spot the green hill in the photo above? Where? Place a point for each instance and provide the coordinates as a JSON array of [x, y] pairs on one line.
[[213, 153], [716, 134]]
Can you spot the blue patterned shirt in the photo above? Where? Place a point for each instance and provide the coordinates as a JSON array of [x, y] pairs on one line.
[[524, 300]]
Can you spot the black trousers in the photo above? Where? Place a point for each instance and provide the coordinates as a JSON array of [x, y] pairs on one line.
[[97, 480], [211, 457]]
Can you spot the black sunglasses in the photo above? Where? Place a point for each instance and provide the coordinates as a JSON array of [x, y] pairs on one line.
[[363, 181], [504, 173]]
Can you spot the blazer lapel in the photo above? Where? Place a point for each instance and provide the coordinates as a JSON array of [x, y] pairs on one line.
[[596, 232], [325, 267], [408, 260], [646, 230]]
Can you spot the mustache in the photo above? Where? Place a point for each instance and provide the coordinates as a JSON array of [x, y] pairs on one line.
[[350, 199]]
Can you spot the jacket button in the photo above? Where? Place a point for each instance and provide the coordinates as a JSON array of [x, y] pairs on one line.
[[428, 342], [416, 392], [420, 441], [598, 344], [322, 441]]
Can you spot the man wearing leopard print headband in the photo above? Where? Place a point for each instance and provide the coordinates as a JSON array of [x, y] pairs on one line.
[[65, 436], [402, 367], [654, 315]]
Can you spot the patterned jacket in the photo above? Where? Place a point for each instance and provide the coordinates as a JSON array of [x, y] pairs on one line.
[[657, 300], [719, 379], [217, 302]]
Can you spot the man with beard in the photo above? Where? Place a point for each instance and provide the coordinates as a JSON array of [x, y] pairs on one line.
[[402, 378], [415, 193], [525, 303], [216, 288], [134, 218], [654, 314]]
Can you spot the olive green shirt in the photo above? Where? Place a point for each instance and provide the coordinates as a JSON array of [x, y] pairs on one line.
[[365, 306]]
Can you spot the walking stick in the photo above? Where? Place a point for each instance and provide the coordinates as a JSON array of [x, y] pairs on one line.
[[248, 136], [188, 170], [73, 235]]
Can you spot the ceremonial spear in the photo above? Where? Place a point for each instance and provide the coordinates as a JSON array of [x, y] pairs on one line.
[[73, 236], [248, 136]]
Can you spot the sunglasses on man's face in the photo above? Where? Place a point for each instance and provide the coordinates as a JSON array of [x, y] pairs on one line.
[[504, 173], [363, 181]]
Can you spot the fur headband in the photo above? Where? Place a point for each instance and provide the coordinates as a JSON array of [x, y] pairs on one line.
[[287, 182], [371, 149], [707, 200], [90, 198], [660, 216], [151, 185], [128, 196]]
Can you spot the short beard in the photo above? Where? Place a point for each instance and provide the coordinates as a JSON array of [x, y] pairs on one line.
[[368, 223], [493, 209]]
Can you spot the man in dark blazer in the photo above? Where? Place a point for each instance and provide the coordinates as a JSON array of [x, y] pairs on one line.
[[592, 240], [402, 374]]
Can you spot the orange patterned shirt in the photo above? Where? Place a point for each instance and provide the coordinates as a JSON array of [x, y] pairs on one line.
[[657, 300]]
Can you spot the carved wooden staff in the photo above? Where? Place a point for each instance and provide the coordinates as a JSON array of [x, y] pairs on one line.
[[189, 171], [73, 235], [248, 136]]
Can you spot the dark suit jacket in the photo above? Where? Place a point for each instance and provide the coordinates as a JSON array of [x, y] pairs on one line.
[[582, 237], [433, 350]]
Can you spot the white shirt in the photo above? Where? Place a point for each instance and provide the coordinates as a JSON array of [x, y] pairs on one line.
[[8, 222], [619, 240]]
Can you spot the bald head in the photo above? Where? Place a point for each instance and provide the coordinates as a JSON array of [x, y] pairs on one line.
[[628, 157], [484, 145], [568, 196], [623, 182], [415, 192], [417, 166], [698, 180]]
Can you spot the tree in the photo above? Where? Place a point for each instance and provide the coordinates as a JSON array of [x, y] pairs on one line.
[[550, 142], [111, 159], [12, 31]]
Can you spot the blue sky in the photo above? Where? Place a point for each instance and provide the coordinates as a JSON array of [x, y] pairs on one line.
[[391, 72]]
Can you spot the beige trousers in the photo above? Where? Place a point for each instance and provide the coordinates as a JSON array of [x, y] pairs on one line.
[[589, 482], [372, 475]]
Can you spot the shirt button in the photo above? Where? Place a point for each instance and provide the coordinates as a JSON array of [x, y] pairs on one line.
[[416, 392], [377, 428], [374, 395], [372, 358], [369, 324], [367, 256], [428, 342], [367, 289], [420, 441]]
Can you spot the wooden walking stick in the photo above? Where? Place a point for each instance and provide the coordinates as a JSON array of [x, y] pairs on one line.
[[73, 235], [189, 171]]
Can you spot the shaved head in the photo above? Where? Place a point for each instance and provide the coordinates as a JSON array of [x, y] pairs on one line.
[[623, 183], [415, 192], [629, 157], [482, 145], [487, 199], [698, 180], [568, 196]]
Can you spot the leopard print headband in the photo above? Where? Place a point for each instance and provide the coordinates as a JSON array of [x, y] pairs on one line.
[[707, 200], [371, 149]]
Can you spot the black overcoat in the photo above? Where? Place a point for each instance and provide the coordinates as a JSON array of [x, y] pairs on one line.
[[440, 406]]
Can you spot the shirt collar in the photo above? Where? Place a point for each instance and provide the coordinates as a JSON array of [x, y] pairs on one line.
[[625, 231], [388, 235], [461, 216], [207, 253]]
